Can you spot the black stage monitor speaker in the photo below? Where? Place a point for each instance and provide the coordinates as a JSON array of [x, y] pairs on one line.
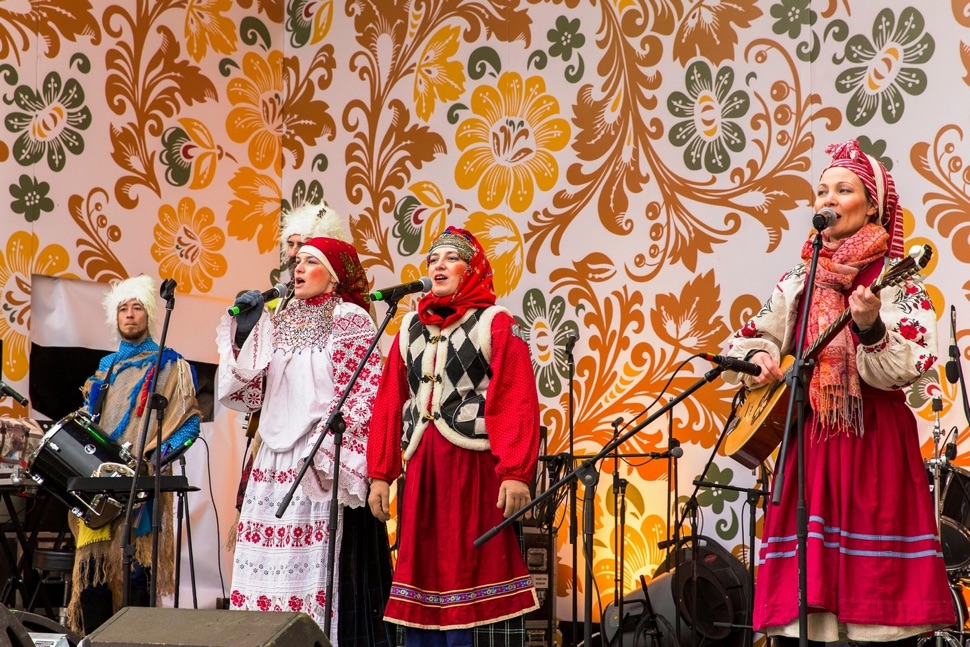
[[159, 627]]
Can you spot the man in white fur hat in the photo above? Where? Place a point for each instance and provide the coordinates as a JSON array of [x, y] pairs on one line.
[[116, 397], [300, 225]]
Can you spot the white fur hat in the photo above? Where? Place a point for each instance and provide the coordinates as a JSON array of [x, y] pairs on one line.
[[142, 289], [310, 221]]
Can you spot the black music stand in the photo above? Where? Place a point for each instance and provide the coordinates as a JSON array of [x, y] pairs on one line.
[[336, 425], [589, 475]]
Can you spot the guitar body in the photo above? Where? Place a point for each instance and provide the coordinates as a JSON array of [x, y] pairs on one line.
[[759, 425], [760, 422]]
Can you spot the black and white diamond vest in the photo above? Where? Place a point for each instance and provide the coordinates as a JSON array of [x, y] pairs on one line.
[[448, 375]]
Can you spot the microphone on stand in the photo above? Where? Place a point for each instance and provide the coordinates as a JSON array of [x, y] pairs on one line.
[[274, 292], [394, 293], [824, 219], [571, 339], [953, 365], [732, 364], [6, 390]]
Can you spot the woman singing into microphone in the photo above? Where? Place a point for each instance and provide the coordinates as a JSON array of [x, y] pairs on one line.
[[295, 366]]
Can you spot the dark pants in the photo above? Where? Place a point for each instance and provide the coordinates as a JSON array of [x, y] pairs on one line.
[[97, 603]]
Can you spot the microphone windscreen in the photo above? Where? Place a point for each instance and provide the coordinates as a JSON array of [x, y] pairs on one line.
[[952, 372]]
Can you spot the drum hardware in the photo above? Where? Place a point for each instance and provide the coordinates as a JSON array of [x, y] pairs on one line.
[[73, 447]]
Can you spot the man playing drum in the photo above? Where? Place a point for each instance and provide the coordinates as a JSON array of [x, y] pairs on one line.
[[116, 399]]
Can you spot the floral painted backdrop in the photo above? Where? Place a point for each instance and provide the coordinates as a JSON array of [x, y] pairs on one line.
[[639, 171]]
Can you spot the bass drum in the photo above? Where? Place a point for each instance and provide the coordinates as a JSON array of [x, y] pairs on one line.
[[955, 519], [722, 587], [77, 447]]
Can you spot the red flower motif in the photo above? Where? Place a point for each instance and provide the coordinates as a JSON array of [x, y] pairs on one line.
[[296, 604], [749, 330], [910, 329], [238, 599], [322, 598], [264, 603]]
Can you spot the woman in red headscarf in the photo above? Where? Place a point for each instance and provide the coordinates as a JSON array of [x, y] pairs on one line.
[[875, 567], [295, 366], [458, 395]]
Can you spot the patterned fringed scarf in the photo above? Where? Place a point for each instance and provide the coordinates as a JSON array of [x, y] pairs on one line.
[[835, 393]]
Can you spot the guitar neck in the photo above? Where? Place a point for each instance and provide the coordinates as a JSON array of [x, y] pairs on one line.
[[829, 333]]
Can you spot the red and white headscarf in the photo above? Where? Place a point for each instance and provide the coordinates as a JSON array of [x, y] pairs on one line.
[[880, 185], [475, 289], [341, 260]]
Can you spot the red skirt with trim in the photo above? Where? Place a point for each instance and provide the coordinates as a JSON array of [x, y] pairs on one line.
[[442, 580], [873, 556]]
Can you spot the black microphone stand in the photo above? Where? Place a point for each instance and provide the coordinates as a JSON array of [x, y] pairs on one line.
[[336, 425], [796, 378], [573, 521], [956, 356], [158, 403], [589, 475], [619, 530]]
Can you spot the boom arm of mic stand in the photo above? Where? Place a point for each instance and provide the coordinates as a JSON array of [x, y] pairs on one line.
[[336, 424], [607, 448], [586, 472]]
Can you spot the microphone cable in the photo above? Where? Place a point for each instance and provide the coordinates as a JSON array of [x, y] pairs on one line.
[[215, 512]]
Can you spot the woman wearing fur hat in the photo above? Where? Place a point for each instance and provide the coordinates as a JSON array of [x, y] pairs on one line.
[[459, 396], [875, 571], [115, 396], [294, 366]]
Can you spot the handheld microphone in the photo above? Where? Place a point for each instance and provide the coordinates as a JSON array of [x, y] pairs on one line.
[[275, 292], [395, 292], [733, 364], [6, 390], [953, 366], [824, 219]]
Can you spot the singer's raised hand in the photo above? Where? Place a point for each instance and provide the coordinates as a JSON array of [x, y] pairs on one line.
[[247, 318]]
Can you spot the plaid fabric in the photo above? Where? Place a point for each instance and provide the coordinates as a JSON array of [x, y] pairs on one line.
[[506, 633], [365, 581]]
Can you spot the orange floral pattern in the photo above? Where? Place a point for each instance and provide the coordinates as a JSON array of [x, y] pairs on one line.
[[186, 246], [437, 77], [257, 115], [22, 258], [255, 211], [206, 26], [508, 144]]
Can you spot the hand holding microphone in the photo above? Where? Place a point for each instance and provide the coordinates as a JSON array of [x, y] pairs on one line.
[[248, 307], [248, 300]]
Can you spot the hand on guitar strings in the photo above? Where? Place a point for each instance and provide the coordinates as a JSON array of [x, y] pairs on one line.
[[864, 307], [770, 371]]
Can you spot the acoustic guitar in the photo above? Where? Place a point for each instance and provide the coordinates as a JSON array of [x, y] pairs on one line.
[[759, 425]]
